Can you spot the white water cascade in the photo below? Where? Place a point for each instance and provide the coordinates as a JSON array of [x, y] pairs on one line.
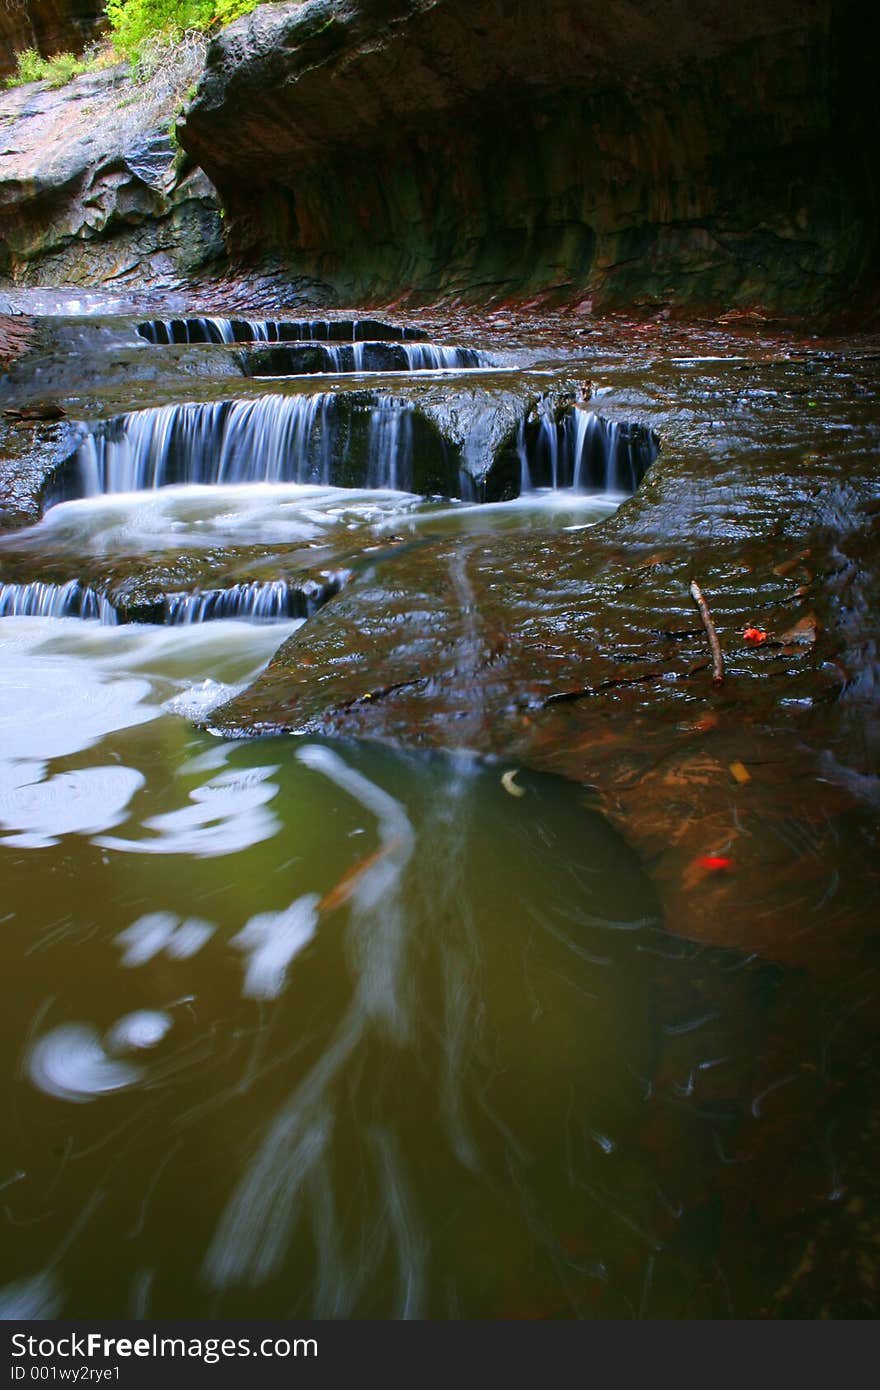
[[40, 600], [211, 329], [272, 439], [255, 602], [584, 451]]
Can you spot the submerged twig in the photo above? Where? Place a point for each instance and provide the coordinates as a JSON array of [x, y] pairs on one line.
[[347, 885], [714, 644]]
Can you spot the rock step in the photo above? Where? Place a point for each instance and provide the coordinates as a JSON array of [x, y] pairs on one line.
[[361, 439], [259, 601]]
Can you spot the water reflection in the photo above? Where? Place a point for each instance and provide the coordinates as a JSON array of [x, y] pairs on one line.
[[72, 1063]]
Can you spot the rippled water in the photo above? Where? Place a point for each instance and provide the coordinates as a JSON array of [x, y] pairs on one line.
[[273, 1017]]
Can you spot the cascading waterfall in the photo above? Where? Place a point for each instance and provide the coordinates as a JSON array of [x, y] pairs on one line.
[[38, 600], [271, 439], [268, 601], [258, 602], [204, 330], [584, 451], [390, 444], [211, 329], [294, 359], [431, 357], [354, 439]]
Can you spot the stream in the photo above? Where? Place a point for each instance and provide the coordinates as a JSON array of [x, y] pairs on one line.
[[401, 1009]]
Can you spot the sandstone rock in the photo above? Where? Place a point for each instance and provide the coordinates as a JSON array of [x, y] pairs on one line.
[[645, 154], [90, 190], [50, 26]]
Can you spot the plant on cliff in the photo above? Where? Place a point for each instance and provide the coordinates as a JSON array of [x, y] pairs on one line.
[[61, 67], [57, 70], [136, 23]]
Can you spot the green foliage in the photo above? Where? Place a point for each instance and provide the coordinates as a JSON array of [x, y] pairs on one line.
[[141, 30], [134, 23], [226, 11], [30, 68], [57, 70], [61, 67]]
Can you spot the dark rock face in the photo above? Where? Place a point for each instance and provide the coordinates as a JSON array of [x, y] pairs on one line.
[[51, 26], [646, 154]]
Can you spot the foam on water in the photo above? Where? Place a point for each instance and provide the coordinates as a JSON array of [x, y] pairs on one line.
[[73, 1063], [203, 516], [65, 685]]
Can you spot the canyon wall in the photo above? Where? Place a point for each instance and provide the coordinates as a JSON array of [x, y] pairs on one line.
[[709, 157], [50, 26]]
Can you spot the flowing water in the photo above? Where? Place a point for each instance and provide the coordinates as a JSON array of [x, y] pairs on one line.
[[304, 1026]]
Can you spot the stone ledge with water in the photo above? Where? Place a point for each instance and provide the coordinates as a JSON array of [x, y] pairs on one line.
[[457, 952]]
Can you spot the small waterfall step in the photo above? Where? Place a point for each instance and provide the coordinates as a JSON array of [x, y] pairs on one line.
[[347, 439], [269, 601], [258, 601], [359, 439], [273, 600], [44, 600], [306, 358], [584, 451], [221, 330]]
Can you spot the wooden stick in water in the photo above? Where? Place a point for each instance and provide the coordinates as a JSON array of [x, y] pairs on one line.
[[714, 644]]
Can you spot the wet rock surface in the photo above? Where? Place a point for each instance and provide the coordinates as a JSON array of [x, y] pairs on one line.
[[576, 151], [578, 651], [584, 654], [30, 451]]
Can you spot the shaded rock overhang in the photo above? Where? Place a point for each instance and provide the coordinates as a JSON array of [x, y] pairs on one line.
[[707, 156]]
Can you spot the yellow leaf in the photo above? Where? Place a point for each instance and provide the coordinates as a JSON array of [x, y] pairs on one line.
[[510, 785]]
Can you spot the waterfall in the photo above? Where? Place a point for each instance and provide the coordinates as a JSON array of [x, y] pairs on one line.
[[261, 602], [522, 452], [204, 330], [210, 329], [71, 600], [584, 451], [292, 359], [390, 444], [270, 439], [431, 357]]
